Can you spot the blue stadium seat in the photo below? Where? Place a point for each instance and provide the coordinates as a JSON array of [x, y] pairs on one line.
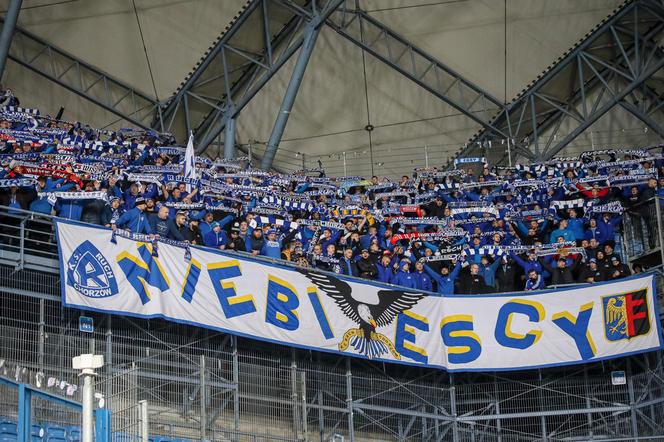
[[8, 427], [34, 438], [37, 432], [73, 434], [8, 437], [123, 437], [55, 431], [55, 439]]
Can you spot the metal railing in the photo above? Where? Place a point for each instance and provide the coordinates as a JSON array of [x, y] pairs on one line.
[[28, 413], [642, 229]]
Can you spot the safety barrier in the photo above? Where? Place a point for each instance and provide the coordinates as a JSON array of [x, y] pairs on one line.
[[28, 413]]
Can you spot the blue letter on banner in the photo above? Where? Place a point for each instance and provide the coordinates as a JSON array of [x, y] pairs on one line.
[[282, 304], [232, 304]]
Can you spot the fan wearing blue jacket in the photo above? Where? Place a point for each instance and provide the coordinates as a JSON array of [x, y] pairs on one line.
[[562, 231], [216, 237], [422, 279], [575, 225], [531, 264], [403, 276], [47, 185], [272, 245], [135, 219], [488, 271], [608, 225], [535, 281], [444, 281], [70, 208], [384, 267], [594, 231]]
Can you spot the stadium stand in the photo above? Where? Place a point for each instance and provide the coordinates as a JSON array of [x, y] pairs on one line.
[[298, 293], [470, 230]]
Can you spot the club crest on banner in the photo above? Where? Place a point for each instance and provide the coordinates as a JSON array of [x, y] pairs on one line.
[[89, 273], [626, 315]]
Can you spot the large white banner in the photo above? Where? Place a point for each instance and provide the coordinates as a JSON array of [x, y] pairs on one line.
[[275, 303]]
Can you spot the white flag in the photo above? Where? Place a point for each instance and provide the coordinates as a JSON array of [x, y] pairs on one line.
[[190, 161]]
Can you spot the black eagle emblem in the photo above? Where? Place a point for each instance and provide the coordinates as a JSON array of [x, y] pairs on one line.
[[365, 339]]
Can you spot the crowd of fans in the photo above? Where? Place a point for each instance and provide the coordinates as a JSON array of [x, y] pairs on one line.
[[470, 230]]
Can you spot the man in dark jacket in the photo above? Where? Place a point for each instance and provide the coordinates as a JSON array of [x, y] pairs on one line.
[[592, 272], [347, 264], [506, 275], [473, 283], [163, 226], [181, 225], [560, 272], [618, 269], [235, 242], [367, 266], [193, 233], [436, 208]]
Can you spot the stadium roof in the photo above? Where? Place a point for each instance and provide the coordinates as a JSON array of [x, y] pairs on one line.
[[499, 45]]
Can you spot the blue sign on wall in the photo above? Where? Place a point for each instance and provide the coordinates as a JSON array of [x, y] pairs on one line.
[[86, 324]]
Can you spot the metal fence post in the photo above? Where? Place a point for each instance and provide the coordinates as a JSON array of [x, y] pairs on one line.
[[203, 396], [319, 394], [303, 386], [632, 409], [660, 234], [541, 405], [453, 409], [497, 401], [588, 405], [109, 357], [145, 423], [295, 408], [21, 263], [87, 429], [42, 336], [349, 401], [236, 392]]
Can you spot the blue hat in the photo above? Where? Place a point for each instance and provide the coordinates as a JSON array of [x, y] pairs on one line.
[[214, 224], [271, 231]]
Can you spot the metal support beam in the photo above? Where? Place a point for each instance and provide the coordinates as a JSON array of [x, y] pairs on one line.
[[310, 36], [229, 139], [8, 32], [83, 79], [594, 116], [647, 119], [245, 87], [415, 64], [573, 92]]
